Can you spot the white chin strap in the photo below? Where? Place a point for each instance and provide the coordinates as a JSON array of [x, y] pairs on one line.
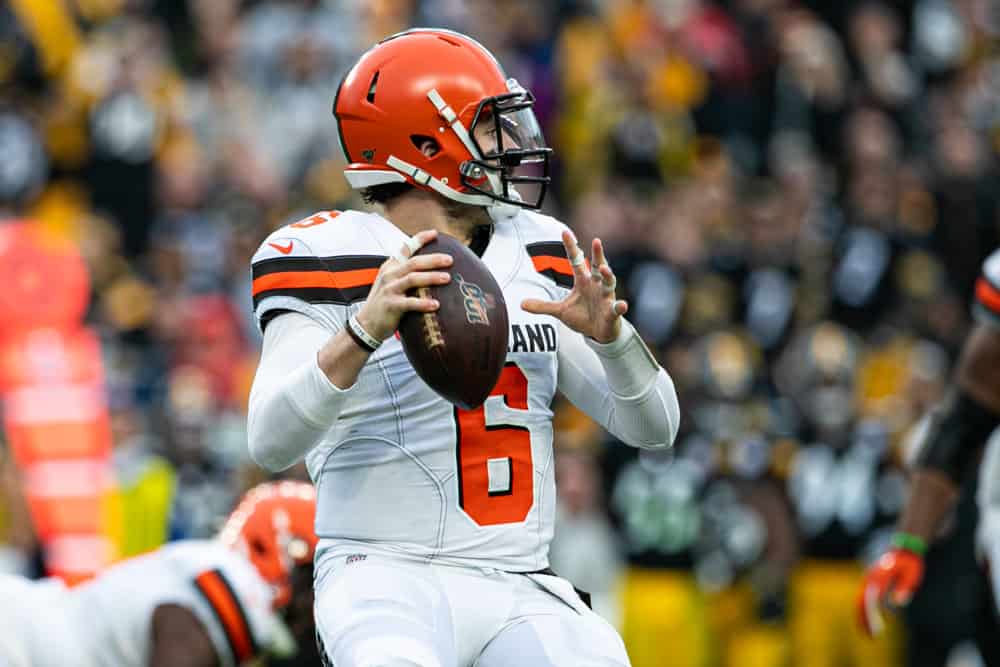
[[498, 211], [451, 118], [436, 184]]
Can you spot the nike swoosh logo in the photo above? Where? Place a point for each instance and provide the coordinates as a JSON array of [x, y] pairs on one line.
[[283, 249]]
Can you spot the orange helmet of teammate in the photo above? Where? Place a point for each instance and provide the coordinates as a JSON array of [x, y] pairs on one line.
[[428, 84], [273, 527]]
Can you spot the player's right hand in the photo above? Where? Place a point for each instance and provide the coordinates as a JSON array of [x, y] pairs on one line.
[[889, 583], [388, 301]]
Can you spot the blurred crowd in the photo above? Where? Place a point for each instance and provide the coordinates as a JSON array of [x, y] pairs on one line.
[[796, 196]]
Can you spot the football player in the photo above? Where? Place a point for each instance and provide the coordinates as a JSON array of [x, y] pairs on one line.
[[954, 436], [434, 521], [191, 603]]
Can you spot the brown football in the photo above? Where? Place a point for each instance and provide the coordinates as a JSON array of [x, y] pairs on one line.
[[460, 349]]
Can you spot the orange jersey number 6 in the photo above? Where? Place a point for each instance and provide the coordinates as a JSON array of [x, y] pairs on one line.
[[495, 472]]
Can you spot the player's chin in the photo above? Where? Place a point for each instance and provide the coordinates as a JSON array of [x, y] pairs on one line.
[[477, 215]]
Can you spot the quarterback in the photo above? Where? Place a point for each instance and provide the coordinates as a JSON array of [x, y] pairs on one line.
[[952, 440], [434, 522], [194, 603]]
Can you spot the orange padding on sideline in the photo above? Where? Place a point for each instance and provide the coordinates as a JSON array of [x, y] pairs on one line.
[[308, 279], [227, 608], [988, 295], [558, 264]]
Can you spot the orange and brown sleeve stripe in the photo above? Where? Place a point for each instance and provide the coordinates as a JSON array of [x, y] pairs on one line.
[[221, 597], [988, 296], [549, 258], [338, 280]]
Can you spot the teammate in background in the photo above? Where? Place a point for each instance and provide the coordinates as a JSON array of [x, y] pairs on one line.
[[192, 603], [955, 435], [435, 522]]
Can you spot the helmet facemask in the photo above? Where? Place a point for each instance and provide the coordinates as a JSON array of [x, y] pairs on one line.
[[511, 160]]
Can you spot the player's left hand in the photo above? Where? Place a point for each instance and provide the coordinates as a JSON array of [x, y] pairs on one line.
[[591, 307], [889, 583]]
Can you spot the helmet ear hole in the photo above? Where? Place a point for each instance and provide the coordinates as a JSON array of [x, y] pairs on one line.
[[371, 88], [425, 144]]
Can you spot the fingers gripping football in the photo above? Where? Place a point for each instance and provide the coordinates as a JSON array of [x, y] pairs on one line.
[[388, 299], [591, 308]]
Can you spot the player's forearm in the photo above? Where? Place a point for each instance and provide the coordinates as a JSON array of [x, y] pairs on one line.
[[948, 446], [649, 420], [621, 386], [976, 374], [645, 408], [291, 417], [932, 496], [956, 433], [291, 410], [341, 360]]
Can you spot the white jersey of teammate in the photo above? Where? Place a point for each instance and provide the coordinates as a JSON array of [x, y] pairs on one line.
[[107, 621], [402, 470], [987, 311], [988, 497]]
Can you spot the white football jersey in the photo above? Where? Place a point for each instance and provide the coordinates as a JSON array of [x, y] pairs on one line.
[[107, 621], [403, 469], [988, 493], [987, 310]]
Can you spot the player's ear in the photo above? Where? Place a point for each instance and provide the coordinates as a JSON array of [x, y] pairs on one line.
[[426, 145]]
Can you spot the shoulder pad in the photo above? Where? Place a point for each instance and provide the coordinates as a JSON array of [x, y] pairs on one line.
[[325, 258], [535, 227], [240, 602]]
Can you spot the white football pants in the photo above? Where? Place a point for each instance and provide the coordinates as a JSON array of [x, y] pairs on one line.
[[379, 611]]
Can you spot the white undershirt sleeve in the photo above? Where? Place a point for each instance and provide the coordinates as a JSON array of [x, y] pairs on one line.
[[292, 403], [621, 386]]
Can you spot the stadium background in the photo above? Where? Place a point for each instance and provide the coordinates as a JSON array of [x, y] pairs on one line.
[[796, 196]]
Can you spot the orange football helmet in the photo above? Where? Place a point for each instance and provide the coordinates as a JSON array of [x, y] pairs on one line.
[[273, 527], [437, 84]]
